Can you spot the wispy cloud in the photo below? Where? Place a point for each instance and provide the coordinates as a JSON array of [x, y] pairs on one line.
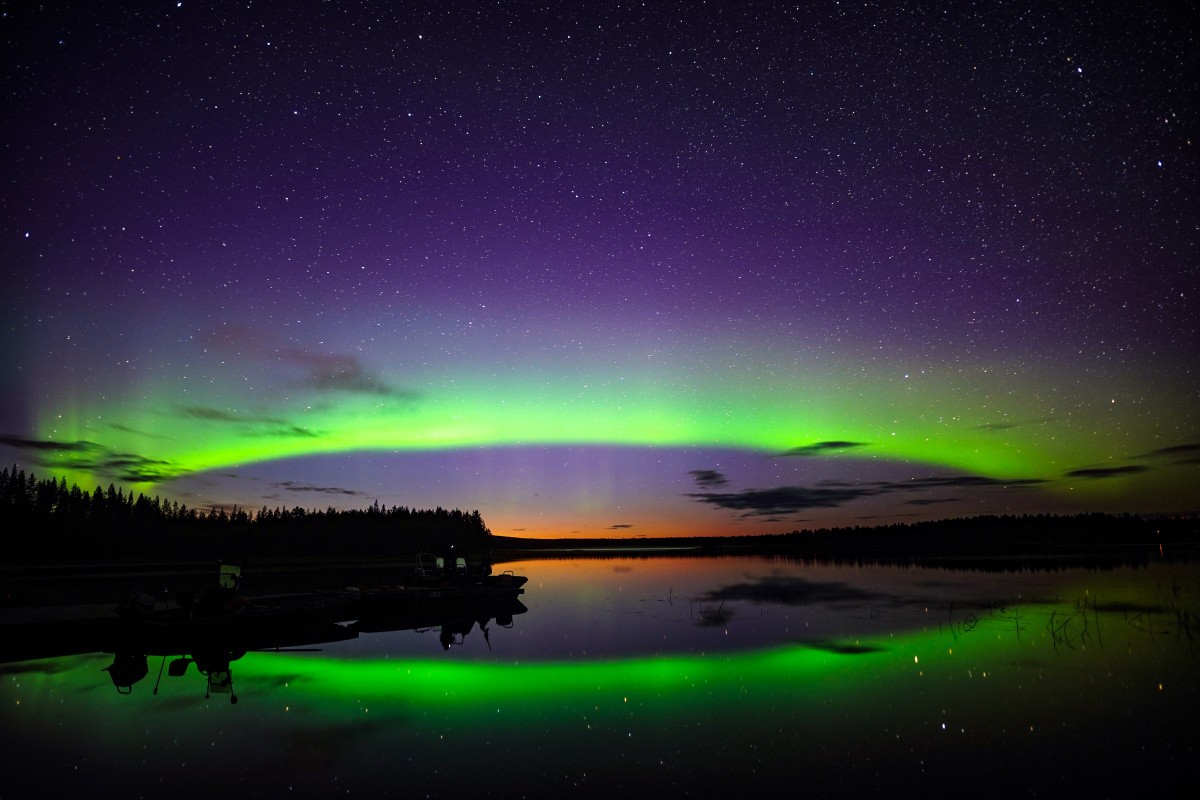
[[934, 482], [252, 423], [795, 591], [293, 486], [822, 448], [135, 431], [1005, 426], [48, 445], [88, 456], [1175, 450], [842, 648], [291, 431], [1181, 453], [141, 469], [708, 478], [228, 415], [785, 500], [323, 371], [343, 373], [1105, 472]]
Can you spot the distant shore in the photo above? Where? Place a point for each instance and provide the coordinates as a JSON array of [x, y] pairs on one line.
[[960, 536]]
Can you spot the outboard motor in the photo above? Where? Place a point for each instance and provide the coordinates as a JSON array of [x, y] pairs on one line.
[[126, 670]]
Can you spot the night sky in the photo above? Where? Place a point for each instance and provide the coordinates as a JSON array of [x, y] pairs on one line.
[[632, 269]]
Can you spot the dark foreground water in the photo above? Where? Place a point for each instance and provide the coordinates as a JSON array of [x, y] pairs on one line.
[[669, 678]]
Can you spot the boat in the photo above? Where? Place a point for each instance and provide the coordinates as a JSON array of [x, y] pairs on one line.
[[224, 607], [434, 569], [220, 626], [432, 582]]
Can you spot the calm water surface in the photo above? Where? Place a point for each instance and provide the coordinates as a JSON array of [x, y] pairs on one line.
[[672, 677]]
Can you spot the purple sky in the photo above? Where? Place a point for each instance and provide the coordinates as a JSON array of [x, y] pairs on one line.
[[627, 269]]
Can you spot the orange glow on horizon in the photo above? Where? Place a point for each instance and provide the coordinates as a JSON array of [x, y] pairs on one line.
[[568, 526]]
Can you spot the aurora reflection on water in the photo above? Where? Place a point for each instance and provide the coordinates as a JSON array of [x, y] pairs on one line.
[[905, 680]]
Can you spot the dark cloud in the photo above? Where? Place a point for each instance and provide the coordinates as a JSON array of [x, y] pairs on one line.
[[46, 666], [822, 448], [92, 457], [1005, 426], [343, 373], [136, 432], [290, 431], [1180, 453], [931, 501], [139, 469], [1105, 472], [225, 415], [324, 372], [784, 500], [48, 445], [293, 486], [1174, 450], [708, 478], [957, 481], [255, 424], [619, 526], [842, 648], [794, 591]]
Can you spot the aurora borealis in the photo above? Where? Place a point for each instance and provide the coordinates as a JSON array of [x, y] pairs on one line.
[[678, 269]]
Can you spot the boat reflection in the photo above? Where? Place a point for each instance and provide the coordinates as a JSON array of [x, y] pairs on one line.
[[211, 645], [221, 625], [453, 617]]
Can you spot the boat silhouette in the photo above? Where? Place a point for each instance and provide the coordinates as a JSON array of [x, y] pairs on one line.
[[222, 624]]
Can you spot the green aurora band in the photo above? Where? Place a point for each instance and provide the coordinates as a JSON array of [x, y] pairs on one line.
[[1001, 421], [996, 423], [825, 679]]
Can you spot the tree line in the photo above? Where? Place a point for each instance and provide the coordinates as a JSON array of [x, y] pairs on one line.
[[46, 518], [987, 542], [1006, 541]]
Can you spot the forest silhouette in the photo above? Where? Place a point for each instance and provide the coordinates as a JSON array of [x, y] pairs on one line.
[[46, 519]]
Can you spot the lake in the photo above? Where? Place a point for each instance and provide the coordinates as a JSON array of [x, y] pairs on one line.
[[670, 677]]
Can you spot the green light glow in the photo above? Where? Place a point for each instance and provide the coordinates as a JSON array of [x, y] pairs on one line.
[[854, 673], [458, 685], [988, 693], [722, 682], [935, 421]]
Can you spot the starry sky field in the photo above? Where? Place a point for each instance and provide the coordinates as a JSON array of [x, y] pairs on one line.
[[606, 270]]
